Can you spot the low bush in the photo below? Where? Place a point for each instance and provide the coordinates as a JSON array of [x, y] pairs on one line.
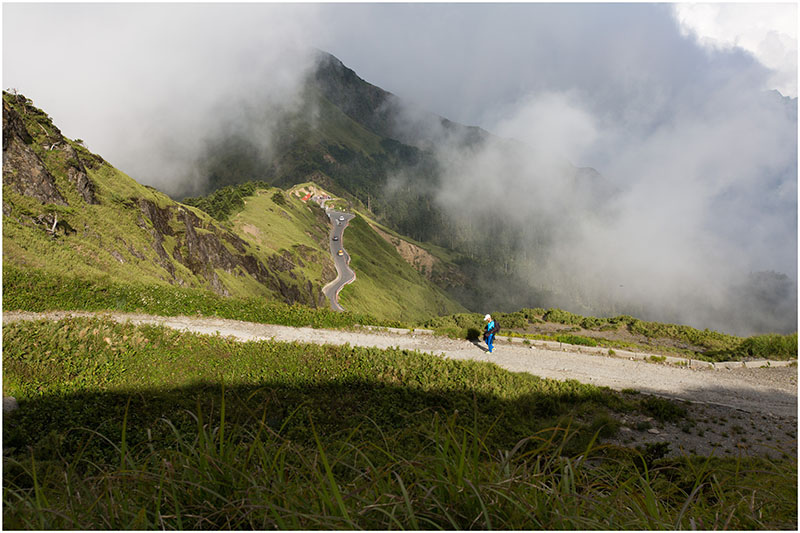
[[576, 339], [771, 346], [662, 409], [228, 200], [562, 317], [516, 320]]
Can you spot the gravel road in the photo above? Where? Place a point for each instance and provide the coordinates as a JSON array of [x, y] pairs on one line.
[[757, 394]]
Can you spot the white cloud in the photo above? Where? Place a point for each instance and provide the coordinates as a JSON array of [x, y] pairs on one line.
[[555, 124], [146, 84], [768, 31]]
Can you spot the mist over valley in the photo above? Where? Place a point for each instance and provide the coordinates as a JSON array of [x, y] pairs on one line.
[[650, 177]]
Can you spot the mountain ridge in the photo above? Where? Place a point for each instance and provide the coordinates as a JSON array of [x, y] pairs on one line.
[[68, 209]]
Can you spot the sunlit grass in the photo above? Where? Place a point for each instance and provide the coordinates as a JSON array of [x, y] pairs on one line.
[[125, 427]]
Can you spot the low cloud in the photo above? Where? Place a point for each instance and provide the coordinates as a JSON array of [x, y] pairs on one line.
[[684, 225], [768, 31], [146, 85], [695, 204]]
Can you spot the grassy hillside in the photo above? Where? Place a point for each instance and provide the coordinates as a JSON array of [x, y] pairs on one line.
[[67, 210], [435, 263], [126, 427], [92, 240], [387, 286], [266, 243]]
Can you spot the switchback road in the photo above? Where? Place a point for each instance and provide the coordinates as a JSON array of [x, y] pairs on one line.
[[344, 274]]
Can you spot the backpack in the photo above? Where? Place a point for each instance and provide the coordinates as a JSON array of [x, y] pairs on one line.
[[495, 328]]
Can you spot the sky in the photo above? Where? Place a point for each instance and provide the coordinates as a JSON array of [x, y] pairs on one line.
[[669, 102], [473, 63]]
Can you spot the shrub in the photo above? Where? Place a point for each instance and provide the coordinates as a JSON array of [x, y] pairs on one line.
[[576, 339], [534, 313], [225, 201], [562, 317], [662, 409], [512, 320], [278, 198], [770, 346]]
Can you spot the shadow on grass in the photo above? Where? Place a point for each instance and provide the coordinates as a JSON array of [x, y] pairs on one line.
[[331, 455], [59, 426]]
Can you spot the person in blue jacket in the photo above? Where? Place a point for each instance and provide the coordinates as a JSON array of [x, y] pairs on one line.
[[489, 333]]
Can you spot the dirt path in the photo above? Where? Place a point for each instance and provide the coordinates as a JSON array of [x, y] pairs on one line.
[[755, 403]]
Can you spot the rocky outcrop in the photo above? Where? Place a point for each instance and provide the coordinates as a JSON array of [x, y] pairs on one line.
[[23, 170], [77, 175], [423, 262], [201, 247]]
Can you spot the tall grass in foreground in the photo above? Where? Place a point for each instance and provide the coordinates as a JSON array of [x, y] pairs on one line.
[[224, 476], [122, 426]]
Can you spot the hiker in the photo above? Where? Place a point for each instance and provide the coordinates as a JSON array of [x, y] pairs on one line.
[[492, 327]]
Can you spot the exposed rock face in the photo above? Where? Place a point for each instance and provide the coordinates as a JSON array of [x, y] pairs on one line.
[[77, 175], [423, 262], [200, 247], [22, 168]]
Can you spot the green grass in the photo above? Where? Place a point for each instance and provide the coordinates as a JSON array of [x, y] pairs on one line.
[[772, 346], [386, 285], [290, 228], [35, 290], [125, 427], [99, 231], [709, 345], [282, 226], [576, 339]]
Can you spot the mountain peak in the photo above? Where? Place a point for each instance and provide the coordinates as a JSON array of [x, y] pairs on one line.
[[385, 114]]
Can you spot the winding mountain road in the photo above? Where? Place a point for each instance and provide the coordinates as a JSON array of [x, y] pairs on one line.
[[344, 274]]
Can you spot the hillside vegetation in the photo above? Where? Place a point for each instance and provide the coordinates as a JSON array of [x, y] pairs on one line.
[[386, 284], [66, 210], [144, 427], [622, 332]]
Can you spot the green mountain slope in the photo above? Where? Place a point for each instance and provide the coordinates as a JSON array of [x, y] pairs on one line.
[[367, 145], [386, 285], [116, 228], [67, 211]]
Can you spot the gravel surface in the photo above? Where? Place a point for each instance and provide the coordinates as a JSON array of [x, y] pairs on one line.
[[731, 411]]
